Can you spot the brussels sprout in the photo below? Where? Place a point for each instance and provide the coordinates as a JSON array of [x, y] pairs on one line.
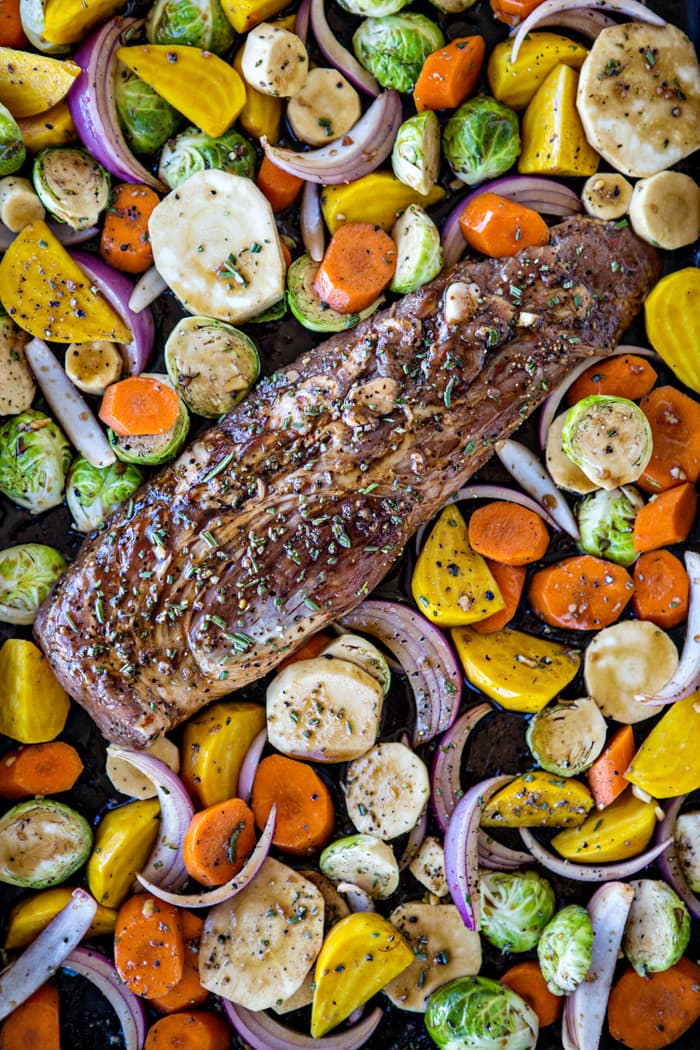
[[26, 575], [309, 309], [415, 157], [152, 450], [394, 48], [71, 185], [211, 364], [453, 7], [481, 140], [657, 930], [193, 151], [609, 438], [375, 8], [363, 860], [146, 119], [42, 843], [515, 908], [476, 1013], [12, 148], [92, 492], [567, 737], [34, 460], [606, 521], [687, 836], [199, 23], [418, 250], [565, 949]]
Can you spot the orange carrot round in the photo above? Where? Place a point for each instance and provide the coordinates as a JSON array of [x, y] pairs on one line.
[[149, 950], [11, 31], [649, 1013], [511, 581], [606, 777], [499, 227], [508, 533], [35, 1024], [311, 648], [512, 12], [358, 264], [627, 376], [526, 980], [195, 1030], [661, 589], [218, 841], [280, 188], [305, 814], [139, 405], [674, 419], [666, 519], [125, 243], [581, 593], [450, 75], [189, 991], [39, 769]]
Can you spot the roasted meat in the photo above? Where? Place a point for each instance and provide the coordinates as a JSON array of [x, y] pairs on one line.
[[290, 511]]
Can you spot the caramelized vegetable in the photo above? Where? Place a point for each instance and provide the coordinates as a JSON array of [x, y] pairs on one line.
[[31, 83], [149, 950], [53, 127], [244, 14], [538, 800], [123, 842], [378, 198], [623, 829], [674, 419], [214, 745], [24, 676], [33, 914], [554, 142], [667, 762], [68, 21], [514, 83], [672, 315]]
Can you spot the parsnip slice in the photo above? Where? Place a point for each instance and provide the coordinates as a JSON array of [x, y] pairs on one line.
[[628, 658]]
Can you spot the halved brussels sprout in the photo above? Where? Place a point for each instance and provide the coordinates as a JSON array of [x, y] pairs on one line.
[[42, 843], [211, 364], [565, 949], [394, 48], [415, 158], [193, 151], [687, 836], [363, 860], [567, 737], [453, 7], [609, 438], [476, 1013], [657, 929], [34, 460], [306, 306], [515, 908], [12, 148], [375, 8], [93, 492], [71, 185], [481, 140], [152, 450], [146, 119], [418, 250], [199, 23], [26, 575], [606, 521]]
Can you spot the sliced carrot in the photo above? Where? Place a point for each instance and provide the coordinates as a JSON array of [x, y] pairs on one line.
[[311, 648], [581, 593], [218, 841], [358, 265], [661, 589], [649, 1013], [513, 11], [666, 518], [35, 1025], [139, 405], [189, 991], [606, 777], [125, 242], [305, 814], [675, 426], [149, 949], [39, 769], [526, 980], [499, 227], [195, 1030], [511, 581], [11, 31], [508, 533], [450, 75], [280, 188], [627, 376]]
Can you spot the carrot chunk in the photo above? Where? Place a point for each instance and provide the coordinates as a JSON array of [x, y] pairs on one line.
[[450, 75], [510, 580], [11, 31], [674, 419], [606, 777], [280, 188], [512, 12], [508, 533], [125, 243], [305, 814], [39, 769], [627, 376], [139, 405], [189, 991], [499, 227], [526, 980], [196, 1030], [358, 264], [149, 949], [218, 841], [649, 1013], [311, 648], [666, 518], [35, 1025], [581, 593], [661, 589]]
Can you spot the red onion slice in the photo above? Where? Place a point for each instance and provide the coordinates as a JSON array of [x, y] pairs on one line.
[[497, 857], [68, 405], [686, 678], [44, 955], [425, 656], [580, 19], [531, 475], [117, 290], [229, 889], [146, 290], [415, 841], [357, 153], [357, 898], [165, 866], [590, 872], [669, 864], [584, 1009], [301, 20], [101, 972], [262, 1032], [311, 222], [249, 765], [445, 776], [340, 58], [636, 12]]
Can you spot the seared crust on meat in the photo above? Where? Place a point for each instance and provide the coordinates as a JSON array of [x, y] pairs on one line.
[[290, 511]]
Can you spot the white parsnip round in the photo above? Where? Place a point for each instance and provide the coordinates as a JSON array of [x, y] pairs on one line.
[[665, 210], [274, 61], [606, 195]]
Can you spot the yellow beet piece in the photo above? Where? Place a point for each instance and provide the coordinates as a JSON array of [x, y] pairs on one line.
[[67, 21], [621, 830], [37, 273], [360, 955], [32, 915], [54, 127], [514, 83], [244, 14], [378, 198], [521, 672], [553, 139], [667, 763], [214, 746], [538, 800], [124, 840], [31, 83], [33, 706], [452, 584], [207, 90], [261, 114], [672, 316]]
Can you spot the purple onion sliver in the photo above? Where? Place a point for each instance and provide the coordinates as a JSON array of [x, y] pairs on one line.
[[669, 864], [262, 1032], [445, 774], [524, 466], [686, 678], [301, 20], [358, 899], [497, 857], [311, 221], [635, 10], [415, 841], [101, 972], [249, 766], [590, 872], [338, 56], [580, 20]]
